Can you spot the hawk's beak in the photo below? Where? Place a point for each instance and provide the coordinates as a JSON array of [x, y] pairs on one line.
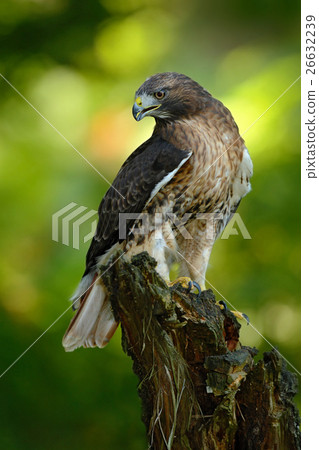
[[140, 111], [137, 112]]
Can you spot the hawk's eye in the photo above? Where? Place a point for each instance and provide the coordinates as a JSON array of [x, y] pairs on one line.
[[159, 95]]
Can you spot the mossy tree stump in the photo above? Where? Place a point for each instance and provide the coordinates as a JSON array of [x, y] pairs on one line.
[[200, 389]]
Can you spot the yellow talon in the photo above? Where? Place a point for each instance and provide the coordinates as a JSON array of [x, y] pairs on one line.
[[186, 283], [239, 315], [183, 281]]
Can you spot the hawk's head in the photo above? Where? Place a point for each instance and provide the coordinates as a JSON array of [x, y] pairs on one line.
[[169, 96]]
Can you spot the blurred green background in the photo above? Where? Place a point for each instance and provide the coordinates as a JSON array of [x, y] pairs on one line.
[[79, 63]]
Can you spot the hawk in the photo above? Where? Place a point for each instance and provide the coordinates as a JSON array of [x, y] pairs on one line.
[[172, 197]]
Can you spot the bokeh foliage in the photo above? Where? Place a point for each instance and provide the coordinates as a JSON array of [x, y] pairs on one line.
[[79, 63]]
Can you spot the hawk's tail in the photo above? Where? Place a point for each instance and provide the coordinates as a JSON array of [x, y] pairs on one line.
[[93, 324]]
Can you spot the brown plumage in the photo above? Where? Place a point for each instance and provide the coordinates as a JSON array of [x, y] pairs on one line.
[[181, 186]]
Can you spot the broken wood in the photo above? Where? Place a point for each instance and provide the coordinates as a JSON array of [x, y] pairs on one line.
[[199, 387]]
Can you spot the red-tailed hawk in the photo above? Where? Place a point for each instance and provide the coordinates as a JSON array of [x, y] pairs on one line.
[[186, 181]]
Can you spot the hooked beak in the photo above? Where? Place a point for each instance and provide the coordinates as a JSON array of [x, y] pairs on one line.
[[139, 112]]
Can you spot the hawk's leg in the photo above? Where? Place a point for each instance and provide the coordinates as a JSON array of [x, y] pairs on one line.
[[195, 252], [154, 244], [195, 249]]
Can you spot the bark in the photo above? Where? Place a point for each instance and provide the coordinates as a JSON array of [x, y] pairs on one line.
[[199, 387]]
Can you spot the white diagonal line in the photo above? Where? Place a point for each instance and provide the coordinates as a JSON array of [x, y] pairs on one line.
[[59, 133], [56, 320], [258, 332], [278, 98], [253, 327], [33, 343], [251, 125]]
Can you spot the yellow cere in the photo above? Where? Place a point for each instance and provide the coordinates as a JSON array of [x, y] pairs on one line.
[[138, 101]]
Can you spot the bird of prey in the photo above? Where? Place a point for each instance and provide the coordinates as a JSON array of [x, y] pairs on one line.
[[186, 180]]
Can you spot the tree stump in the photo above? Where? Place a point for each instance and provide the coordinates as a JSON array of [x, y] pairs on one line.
[[200, 389]]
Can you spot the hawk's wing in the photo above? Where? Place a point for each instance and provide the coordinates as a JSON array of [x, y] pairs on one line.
[[142, 175]]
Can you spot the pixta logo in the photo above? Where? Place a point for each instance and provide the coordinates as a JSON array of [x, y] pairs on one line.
[[74, 225], [70, 225]]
